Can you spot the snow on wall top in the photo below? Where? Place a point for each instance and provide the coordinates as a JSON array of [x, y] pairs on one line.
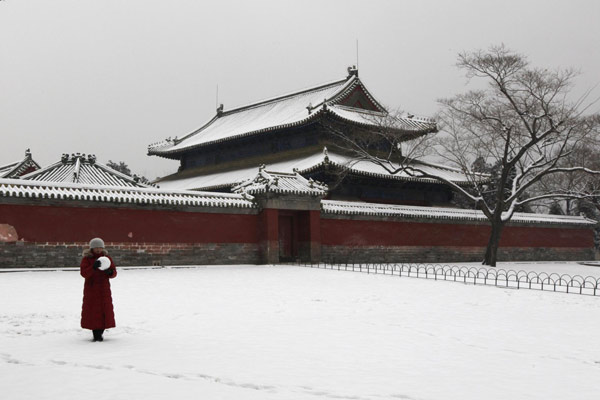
[[79, 168], [73, 191], [285, 111], [416, 212], [306, 164], [281, 183], [118, 194]]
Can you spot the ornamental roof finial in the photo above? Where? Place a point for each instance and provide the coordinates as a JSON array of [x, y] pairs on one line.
[[352, 71]]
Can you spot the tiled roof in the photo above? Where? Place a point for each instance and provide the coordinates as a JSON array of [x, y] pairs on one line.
[[415, 212], [18, 168], [79, 168], [306, 164], [286, 111], [119, 194], [281, 183]]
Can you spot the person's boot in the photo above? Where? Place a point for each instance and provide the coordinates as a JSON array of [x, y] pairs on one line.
[[98, 335]]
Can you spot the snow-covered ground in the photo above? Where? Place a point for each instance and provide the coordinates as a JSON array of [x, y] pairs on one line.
[[284, 332]]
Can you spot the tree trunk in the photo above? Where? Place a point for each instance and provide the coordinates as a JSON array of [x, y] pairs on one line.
[[491, 252]]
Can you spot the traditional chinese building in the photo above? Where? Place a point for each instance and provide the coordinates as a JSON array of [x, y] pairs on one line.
[[293, 133], [293, 199]]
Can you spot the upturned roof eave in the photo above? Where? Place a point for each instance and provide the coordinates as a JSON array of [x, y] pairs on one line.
[[173, 153], [383, 176], [415, 132], [322, 164], [311, 118]]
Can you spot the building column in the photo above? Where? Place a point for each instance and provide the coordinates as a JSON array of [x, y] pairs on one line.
[[314, 233], [269, 236]]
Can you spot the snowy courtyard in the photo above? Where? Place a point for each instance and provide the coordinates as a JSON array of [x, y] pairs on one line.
[[287, 332]]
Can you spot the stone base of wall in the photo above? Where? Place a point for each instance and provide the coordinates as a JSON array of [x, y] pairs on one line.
[[407, 254], [60, 255]]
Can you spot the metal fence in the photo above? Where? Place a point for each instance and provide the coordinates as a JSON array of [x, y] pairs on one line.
[[552, 282]]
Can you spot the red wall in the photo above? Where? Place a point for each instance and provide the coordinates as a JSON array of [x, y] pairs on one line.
[[74, 224], [79, 224], [383, 233]]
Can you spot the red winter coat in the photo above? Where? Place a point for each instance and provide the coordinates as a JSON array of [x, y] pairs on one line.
[[97, 311]]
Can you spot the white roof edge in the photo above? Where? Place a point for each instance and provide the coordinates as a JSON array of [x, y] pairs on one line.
[[149, 190], [374, 209]]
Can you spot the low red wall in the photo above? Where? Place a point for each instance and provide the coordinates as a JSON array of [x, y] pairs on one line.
[[76, 224], [349, 232], [54, 235]]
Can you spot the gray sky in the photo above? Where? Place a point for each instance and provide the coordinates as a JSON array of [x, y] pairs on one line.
[[109, 77]]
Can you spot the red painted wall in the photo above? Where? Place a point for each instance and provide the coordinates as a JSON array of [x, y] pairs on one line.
[[383, 233], [74, 224], [78, 224]]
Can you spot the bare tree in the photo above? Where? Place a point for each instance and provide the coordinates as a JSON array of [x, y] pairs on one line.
[[523, 122]]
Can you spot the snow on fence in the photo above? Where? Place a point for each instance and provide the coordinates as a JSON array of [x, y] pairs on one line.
[[552, 282]]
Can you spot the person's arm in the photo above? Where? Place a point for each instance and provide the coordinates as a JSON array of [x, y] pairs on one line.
[[86, 268]]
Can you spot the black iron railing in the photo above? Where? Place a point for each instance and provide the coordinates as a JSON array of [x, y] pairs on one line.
[[553, 282]]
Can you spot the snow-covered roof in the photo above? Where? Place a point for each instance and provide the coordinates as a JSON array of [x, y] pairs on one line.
[[281, 183], [119, 194], [306, 164], [18, 168], [294, 109], [79, 168], [416, 212]]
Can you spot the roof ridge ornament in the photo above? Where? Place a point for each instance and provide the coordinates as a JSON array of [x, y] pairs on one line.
[[220, 110], [352, 71]]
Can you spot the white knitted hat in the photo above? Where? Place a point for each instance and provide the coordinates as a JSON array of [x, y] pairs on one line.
[[96, 242]]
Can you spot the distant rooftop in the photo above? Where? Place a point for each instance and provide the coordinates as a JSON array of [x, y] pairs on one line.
[[83, 169], [19, 168], [119, 194]]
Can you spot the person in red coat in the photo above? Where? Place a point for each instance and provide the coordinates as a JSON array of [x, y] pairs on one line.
[[97, 312]]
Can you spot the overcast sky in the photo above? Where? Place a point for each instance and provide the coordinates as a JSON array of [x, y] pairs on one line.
[[109, 77]]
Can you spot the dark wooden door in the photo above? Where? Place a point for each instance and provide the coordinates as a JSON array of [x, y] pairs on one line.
[[286, 238]]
